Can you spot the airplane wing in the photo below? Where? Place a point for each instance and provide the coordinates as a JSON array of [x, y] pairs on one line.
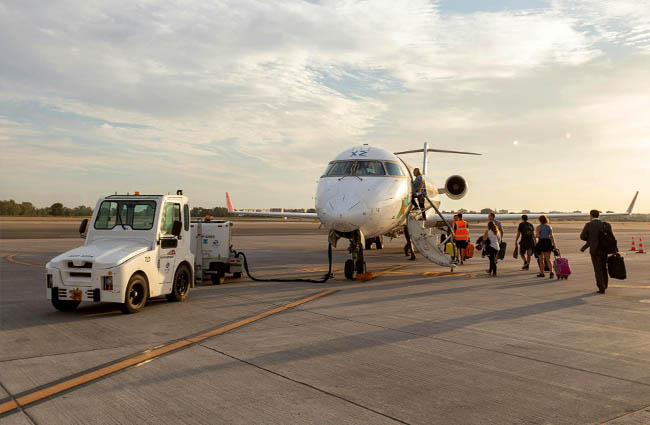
[[484, 217], [232, 211]]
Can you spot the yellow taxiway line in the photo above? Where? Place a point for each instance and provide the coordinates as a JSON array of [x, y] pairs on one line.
[[23, 263], [143, 357], [629, 286]]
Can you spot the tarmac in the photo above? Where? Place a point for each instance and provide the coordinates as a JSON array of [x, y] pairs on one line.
[[416, 344]]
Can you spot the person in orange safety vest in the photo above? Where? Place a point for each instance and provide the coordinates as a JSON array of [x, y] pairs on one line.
[[461, 238]]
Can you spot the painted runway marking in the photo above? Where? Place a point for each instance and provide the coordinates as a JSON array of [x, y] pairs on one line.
[[630, 286], [435, 274], [22, 263], [142, 358], [364, 277]]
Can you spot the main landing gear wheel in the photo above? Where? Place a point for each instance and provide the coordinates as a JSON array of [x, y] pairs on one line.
[[135, 296], [349, 269], [181, 284], [65, 305]]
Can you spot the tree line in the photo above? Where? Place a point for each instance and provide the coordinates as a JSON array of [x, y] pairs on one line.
[[27, 209]]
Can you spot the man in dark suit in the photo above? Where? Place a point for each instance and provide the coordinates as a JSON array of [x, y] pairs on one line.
[[591, 234]]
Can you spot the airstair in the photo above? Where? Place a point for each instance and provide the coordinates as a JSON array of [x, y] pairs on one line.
[[430, 241]]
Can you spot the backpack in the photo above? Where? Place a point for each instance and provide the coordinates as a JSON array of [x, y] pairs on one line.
[[528, 232], [606, 241]]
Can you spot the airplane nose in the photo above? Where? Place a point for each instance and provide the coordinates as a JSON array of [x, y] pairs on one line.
[[342, 213]]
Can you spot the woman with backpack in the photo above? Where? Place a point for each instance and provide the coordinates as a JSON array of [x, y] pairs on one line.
[[492, 239], [545, 245]]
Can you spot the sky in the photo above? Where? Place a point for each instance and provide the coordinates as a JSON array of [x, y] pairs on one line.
[[255, 97]]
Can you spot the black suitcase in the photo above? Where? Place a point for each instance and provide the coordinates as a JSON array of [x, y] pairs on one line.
[[502, 250], [616, 267]]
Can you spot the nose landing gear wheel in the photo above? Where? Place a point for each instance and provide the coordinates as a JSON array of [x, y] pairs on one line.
[[361, 267], [349, 269]]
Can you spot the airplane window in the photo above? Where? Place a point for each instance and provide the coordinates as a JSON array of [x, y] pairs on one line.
[[393, 169], [370, 168], [329, 167], [342, 168]]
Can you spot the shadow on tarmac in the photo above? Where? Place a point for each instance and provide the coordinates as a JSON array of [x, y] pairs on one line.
[[384, 336]]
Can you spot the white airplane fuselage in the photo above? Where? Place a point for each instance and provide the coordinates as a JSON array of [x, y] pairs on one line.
[[371, 195]]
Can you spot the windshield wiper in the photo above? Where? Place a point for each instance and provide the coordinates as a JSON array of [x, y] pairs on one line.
[[119, 219], [351, 175]]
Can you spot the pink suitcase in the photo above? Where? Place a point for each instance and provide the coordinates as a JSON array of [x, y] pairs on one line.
[[561, 267]]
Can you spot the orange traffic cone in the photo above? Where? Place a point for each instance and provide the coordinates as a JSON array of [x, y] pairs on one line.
[[641, 250], [633, 247]]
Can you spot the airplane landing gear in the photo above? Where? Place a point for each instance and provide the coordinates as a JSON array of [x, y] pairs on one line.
[[356, 264], [378, 241]]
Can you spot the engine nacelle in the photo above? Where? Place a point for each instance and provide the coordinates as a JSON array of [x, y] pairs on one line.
[[455, 187]]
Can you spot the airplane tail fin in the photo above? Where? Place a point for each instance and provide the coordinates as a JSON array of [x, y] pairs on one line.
[[631, 207], [229, 204], [428, 149], [424, 158]]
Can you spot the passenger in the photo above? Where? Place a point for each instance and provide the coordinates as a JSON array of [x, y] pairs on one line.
[[497, 223], [526, 232], [461, 239], [408, 247], [492, 217], [492, 240], [419, 191], [591, 233], [545, 245]]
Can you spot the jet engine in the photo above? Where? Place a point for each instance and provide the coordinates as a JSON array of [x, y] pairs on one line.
[[455, 187]]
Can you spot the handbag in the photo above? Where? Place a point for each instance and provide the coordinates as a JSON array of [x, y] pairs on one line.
[[515, 253]]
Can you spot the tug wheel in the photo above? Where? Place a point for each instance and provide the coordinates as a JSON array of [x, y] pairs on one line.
[[181, 284], [135, 296]]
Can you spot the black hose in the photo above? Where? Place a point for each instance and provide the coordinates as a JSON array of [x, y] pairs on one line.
[[324, 279]]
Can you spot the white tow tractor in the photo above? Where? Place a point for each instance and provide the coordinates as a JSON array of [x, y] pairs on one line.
[[137, 247]]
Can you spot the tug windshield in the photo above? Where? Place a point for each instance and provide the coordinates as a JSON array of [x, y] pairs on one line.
[[138, 215]]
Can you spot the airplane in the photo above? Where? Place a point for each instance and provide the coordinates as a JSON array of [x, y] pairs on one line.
[[365, 194]]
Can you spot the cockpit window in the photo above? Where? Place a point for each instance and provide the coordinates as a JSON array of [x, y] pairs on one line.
[[341, 168], [393, 169], [370, 168]]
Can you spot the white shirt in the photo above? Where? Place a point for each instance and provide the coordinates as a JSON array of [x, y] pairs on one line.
[[494, 239]]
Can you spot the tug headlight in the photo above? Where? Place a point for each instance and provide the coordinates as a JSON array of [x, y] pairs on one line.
[[107, 283]]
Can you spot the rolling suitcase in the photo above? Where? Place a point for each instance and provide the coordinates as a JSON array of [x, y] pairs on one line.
[[450, 249], [561, 267], [616, 267], [469, 252]]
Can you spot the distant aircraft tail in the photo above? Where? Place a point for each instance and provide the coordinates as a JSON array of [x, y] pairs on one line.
[[230, 208], [631, 207]]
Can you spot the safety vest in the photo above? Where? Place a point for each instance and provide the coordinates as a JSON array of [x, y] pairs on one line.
[[462, 232]]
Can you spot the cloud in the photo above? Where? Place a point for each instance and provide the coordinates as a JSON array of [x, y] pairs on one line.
[[254, 93]]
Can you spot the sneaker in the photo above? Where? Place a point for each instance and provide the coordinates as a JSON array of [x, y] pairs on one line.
[[527, 266], [551, 275], [524, 267], [540, 275]]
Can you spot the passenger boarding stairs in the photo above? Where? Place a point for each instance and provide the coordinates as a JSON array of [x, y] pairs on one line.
[[431, 241]]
